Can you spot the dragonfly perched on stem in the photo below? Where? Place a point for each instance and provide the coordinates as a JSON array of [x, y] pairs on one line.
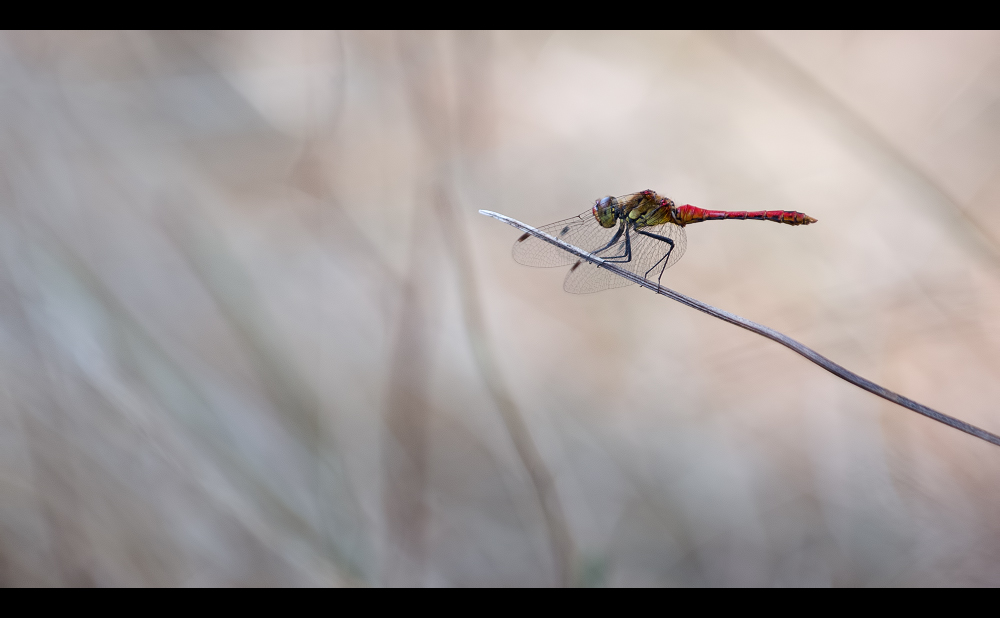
[[641, 232], [764, 331]]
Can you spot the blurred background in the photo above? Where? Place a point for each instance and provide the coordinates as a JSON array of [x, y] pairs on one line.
[[253, 331]]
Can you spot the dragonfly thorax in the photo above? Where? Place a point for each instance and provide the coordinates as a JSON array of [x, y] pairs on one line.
[[643, 209]]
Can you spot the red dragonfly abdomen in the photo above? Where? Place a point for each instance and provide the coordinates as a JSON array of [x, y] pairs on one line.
[[692, 214]]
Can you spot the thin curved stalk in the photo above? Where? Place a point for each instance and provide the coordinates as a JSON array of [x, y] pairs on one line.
[[560, 538], [770, 333]]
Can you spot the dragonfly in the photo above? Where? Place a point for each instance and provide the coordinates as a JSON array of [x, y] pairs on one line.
[[641, 232]]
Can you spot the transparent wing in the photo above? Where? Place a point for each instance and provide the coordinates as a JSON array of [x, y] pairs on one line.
[[655, 249], [582, 231], [646, 254], [586, 278]]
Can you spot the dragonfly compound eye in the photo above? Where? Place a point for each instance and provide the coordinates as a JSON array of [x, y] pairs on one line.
[[606, 211]]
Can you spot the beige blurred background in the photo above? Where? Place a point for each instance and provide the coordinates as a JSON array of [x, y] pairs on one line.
[[253, 330]]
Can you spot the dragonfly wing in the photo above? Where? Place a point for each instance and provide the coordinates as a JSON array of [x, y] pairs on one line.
[[587, 278], [656, 249], [582, 231], [646, 255]]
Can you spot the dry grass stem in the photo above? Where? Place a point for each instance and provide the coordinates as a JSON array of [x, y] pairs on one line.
[[764, 331]]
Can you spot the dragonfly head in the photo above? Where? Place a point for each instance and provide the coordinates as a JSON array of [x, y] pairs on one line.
[[606, 211]]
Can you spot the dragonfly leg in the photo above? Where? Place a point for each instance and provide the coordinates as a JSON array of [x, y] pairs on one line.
[[627, 256], [662, 260], [611, 242], [665, 259]]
